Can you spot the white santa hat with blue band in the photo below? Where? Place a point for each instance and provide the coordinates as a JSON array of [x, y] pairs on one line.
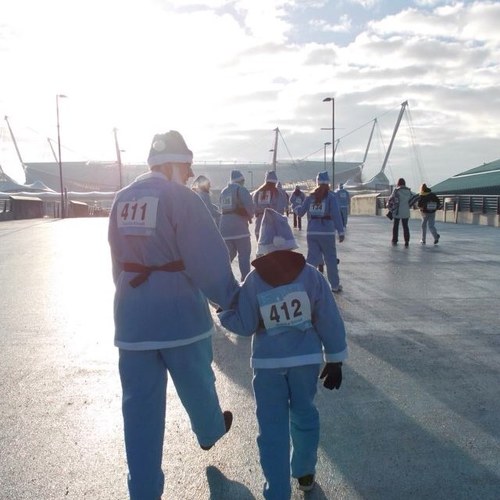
[[271, 176], [169, 148], [275, 233], [322, 178], [236, 176]]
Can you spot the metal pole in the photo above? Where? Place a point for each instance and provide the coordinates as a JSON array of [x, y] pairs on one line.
[[328, 99], [15, 145], [324, 153], [52, 149], [333, 143], [59, 156], [275, 150], [118, 159]]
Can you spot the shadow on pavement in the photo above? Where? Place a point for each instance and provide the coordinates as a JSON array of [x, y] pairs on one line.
[[222, 488], [383, 452]]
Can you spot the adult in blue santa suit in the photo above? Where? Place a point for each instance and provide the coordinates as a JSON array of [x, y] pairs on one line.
[[287, 307], [237, 212], [343, 198], [201, 186], [168, 257], [268, 196], [324, 221]]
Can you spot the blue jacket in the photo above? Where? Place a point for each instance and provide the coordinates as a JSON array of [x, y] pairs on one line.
[[267, 198], [212, 208], [237, 211], [153, 222], [288, 307], [342, 197], [297, 198], [323, 218]]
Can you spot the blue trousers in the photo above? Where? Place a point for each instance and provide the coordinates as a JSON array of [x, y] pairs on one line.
[[322, 248], [285, 409], [243, 248], [344, 211], [144, 376], [258, 222]]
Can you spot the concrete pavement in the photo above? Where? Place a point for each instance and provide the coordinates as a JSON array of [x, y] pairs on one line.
[[416, 417]]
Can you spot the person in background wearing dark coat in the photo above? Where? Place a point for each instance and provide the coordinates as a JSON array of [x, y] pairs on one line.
[[399, 204], [296, 199], [428, 203]]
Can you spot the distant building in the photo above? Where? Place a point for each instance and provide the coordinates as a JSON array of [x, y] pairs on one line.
[[104, 176], [483, 180]]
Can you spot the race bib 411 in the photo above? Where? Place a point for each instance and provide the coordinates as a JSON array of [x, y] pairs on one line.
[[137, 213]]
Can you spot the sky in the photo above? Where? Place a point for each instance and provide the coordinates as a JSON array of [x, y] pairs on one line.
[[227, 73]]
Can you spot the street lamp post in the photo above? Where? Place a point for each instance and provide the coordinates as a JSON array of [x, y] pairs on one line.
[[118, 159], [58, 96], [324, 152], [251, 177], [328, 99]]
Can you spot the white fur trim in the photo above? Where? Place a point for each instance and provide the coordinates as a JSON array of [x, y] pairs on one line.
[[160, 159], [271, 247]]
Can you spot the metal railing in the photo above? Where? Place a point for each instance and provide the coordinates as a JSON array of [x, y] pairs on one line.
[[484, 204]]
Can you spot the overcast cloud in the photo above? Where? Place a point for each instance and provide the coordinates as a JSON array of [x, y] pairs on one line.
[[226, 73]]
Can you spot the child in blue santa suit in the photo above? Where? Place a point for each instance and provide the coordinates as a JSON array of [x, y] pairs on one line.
[[288, 307], [324, 220]]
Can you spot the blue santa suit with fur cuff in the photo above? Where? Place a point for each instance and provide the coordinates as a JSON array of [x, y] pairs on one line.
[[163, 325], [176, 301], [268, 198], [288, 308], [237, 211], [324, 220]]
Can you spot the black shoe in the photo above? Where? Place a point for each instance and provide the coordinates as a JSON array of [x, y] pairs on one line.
[[228, 421], [306, 483], [436, 239], [406, 245], [394, 243]]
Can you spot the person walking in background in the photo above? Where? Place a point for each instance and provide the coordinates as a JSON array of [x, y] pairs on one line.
[[288, 309], [201, 186], [285, 200], [324, 220], [428, 203], [343, 198], [237, 212], [168, 257], [399, 205], [267, 196], [296, 199]]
